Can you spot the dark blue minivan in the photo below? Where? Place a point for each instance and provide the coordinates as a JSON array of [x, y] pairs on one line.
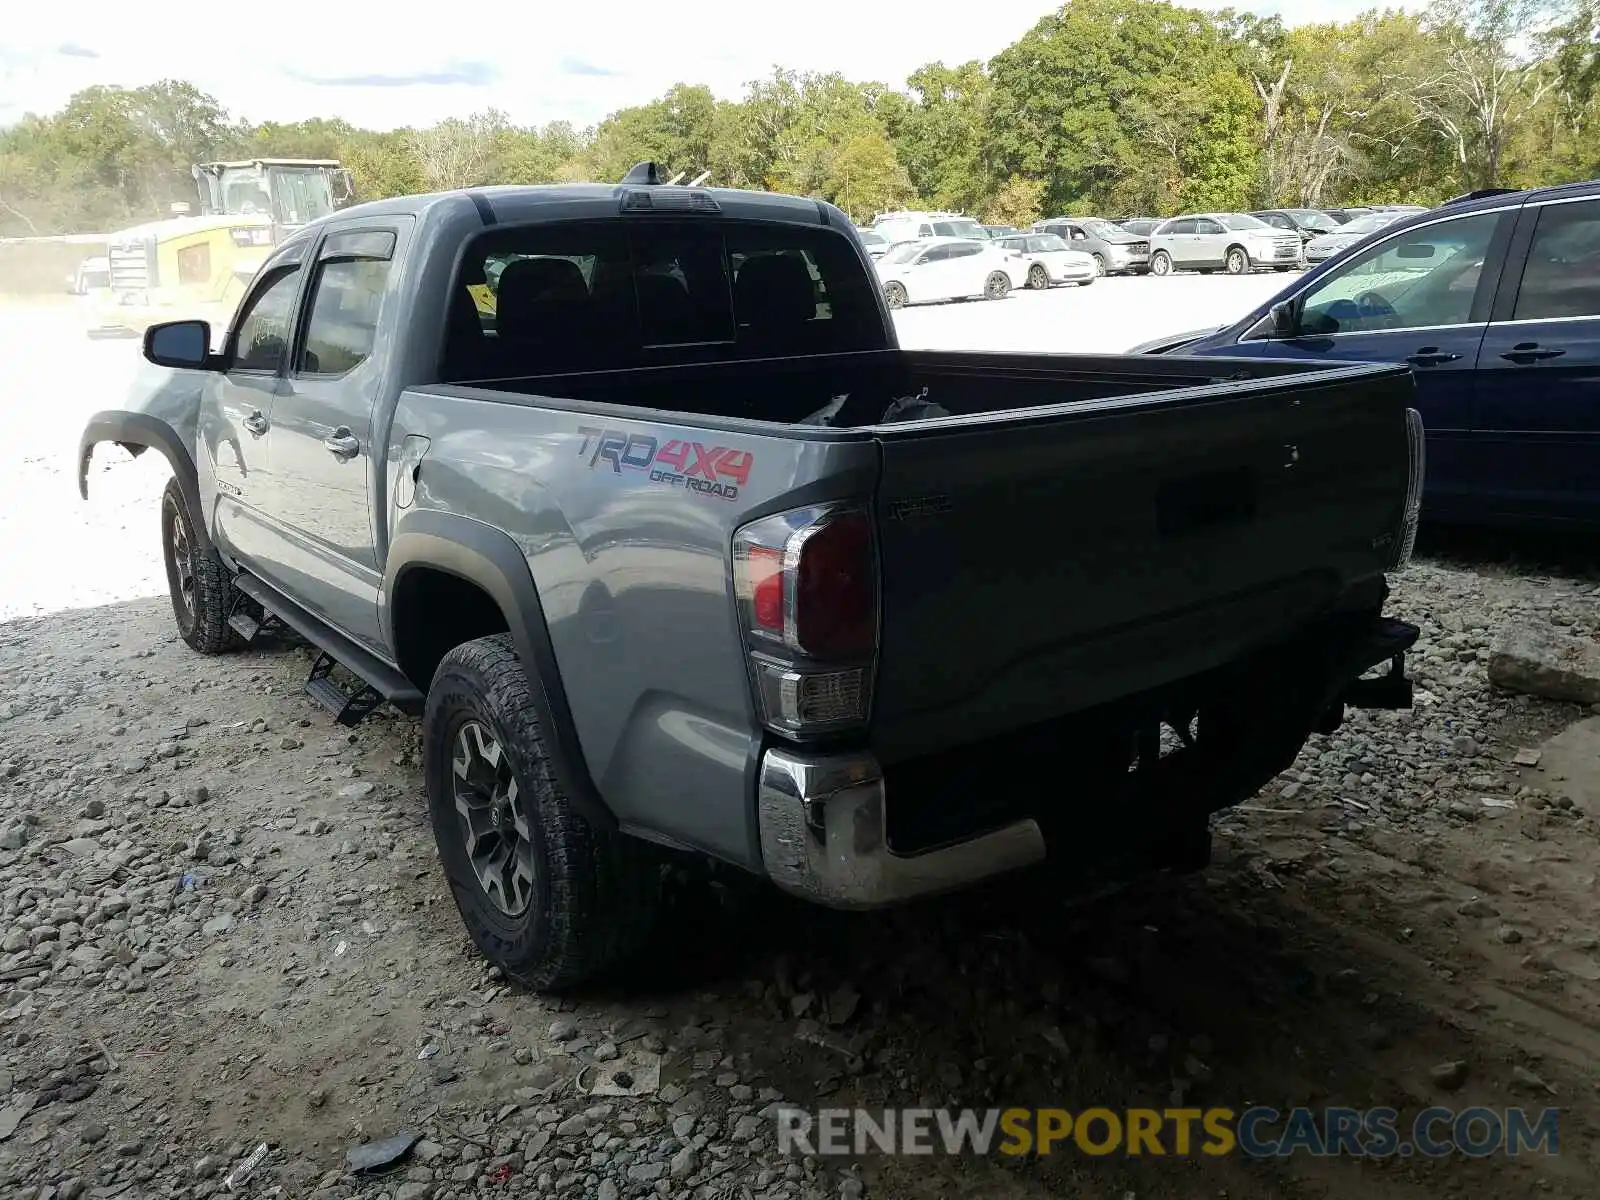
[[1494, 300]]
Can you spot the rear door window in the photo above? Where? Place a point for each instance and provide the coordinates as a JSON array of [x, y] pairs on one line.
[[1562, 278]]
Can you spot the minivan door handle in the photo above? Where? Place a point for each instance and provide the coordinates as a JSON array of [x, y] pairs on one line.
[[1430, 356], [1527, 352], [341, 443], [256, 423]]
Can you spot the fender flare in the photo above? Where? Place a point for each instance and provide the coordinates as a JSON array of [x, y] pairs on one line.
[[489, 559], [135, 432]]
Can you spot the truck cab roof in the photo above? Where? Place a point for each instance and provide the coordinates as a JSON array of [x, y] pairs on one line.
[[514, 204]]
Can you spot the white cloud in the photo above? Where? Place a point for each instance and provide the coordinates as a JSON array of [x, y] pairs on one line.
[[382, 65]]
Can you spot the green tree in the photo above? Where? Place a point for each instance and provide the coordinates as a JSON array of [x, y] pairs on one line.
[[866, 177]]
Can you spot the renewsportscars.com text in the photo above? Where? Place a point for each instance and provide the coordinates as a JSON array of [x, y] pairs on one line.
[[1256, 1132]]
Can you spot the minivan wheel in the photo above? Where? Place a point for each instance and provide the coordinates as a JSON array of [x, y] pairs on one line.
[[548, 897], [1238, 261], [1038, 277], [997, 286], [894, 295], [1160, 263]]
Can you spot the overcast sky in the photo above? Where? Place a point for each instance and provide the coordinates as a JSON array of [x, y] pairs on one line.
[[391, 64]]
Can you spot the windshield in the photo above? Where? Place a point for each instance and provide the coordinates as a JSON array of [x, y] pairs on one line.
[[961, 229], [897, 229], [1049, 241], [1242, 221], [244, 193], [903, 253], [1368, 224], [1308, 219], [872, 238], [301, 195], [1105, 230], [289, 195]]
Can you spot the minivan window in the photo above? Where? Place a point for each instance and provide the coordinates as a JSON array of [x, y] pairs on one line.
[[1417, 279], [1562, 278]]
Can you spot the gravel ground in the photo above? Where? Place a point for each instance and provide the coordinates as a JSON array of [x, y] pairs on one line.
[[221, 923]]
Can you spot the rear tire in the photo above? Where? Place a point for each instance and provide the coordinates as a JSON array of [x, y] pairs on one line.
[[1038, 277], [997, 286], [1161, 263], [199, 583], [551, 899]]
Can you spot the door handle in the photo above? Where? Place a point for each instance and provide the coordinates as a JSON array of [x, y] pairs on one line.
[[341, 443], [1527, 352], [1430, 356], [256, 423]]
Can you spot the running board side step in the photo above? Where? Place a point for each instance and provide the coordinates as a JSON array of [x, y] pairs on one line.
[[348, 707], [380, 682]]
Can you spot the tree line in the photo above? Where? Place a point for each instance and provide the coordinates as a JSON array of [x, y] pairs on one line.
[[1117, 107]]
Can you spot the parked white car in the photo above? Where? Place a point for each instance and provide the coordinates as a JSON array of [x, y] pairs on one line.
[[1051, 260], [934, 269], [1233, 242]]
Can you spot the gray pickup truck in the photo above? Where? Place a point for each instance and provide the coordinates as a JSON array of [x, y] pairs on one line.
[[629, 493]]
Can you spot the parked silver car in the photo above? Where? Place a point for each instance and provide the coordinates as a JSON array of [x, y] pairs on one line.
[[1341, 239], [1232, 242], [1115, 251]]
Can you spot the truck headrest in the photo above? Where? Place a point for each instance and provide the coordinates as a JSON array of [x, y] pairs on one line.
[[774, 290], [535, 290]]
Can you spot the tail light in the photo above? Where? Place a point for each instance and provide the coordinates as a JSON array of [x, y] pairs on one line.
[[806, 584]]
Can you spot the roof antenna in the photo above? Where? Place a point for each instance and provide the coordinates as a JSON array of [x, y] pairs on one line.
[[643, 173]]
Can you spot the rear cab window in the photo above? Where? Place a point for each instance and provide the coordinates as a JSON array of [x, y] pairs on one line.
[[575, 296]]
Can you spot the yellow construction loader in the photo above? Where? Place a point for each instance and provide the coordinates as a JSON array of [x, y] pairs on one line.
[[199, 265]]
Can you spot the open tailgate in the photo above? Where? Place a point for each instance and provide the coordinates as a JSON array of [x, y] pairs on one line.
[[1042, 561]]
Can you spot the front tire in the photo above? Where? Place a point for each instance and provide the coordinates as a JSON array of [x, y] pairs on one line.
[[1099, 264], [894, 295], [200, 585], [1038, 277], [1238, 262], [997, 286], [1161, 263], [546, 896]]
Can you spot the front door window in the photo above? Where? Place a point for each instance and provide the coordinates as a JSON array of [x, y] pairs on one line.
[[1421, 279]]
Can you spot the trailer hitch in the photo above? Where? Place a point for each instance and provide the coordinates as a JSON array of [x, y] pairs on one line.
[[1391, 690]]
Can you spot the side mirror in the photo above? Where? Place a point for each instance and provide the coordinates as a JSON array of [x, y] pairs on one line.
[[1285, 321], [182, 344]]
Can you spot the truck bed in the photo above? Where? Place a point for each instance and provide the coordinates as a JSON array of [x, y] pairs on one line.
[[1110, 523], [788, 390]]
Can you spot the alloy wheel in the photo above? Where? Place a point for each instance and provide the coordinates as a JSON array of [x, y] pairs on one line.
[[495, 830], [183, 561]]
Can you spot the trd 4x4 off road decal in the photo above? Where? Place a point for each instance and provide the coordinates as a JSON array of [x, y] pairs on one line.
[[710, 470]]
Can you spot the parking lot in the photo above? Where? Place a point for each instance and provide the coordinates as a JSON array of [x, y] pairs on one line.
[[223, 926]]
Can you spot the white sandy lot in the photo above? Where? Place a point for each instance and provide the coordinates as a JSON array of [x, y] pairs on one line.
[[59, 552]]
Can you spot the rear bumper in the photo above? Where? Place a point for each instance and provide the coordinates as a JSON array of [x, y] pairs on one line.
[[824, 836], [825, 823]]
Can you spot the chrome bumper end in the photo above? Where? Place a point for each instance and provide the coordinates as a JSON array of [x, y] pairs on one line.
[[823, 836]]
